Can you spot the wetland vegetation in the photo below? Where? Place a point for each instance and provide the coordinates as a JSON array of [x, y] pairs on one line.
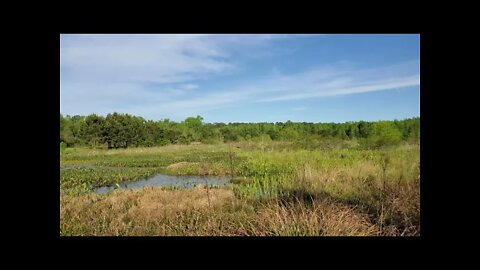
[[355, 179]]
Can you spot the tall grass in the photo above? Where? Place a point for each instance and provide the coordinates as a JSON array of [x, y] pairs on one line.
[[280, 189]]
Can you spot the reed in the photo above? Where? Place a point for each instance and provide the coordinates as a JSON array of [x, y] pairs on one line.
[[279, 188]]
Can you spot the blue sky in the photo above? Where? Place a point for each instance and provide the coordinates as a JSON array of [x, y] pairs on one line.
[[242, 78]]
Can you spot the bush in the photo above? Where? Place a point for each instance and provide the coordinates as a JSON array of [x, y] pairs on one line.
[[384, 134]]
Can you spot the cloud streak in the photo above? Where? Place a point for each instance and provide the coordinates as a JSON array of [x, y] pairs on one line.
[[140, 58], [169, 75], [337, 79]]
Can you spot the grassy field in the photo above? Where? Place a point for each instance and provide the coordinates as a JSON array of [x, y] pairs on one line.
[[279, 188]]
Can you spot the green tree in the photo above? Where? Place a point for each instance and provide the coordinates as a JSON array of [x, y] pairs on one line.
[[92, 129], [288, 133], [124, 130], [384, 133], [194, 122]]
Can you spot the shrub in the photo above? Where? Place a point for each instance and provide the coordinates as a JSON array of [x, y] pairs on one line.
[[384, 134]]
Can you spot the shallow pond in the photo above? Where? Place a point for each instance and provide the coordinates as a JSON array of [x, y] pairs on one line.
[[169, 181]]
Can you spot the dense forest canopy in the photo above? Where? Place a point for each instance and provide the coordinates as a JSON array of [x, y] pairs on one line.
[[123, 130]]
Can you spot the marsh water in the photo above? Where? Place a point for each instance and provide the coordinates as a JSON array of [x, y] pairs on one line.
[[170, 181]]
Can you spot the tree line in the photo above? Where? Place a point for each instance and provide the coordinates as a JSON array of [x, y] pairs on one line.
[[118, 130]]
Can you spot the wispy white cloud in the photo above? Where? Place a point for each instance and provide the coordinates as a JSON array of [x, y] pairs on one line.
[[111, 71], [160, 75], [139, 58], [342, 88], [336, 79], [153, 58]]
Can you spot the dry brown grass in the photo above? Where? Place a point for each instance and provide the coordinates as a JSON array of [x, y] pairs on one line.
[[394, 206], [132, 212], [180, 165], [322, 217], [153, 211], [336, 193]]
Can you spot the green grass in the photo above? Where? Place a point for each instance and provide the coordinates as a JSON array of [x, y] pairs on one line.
[[281, 188], [102, 176]]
